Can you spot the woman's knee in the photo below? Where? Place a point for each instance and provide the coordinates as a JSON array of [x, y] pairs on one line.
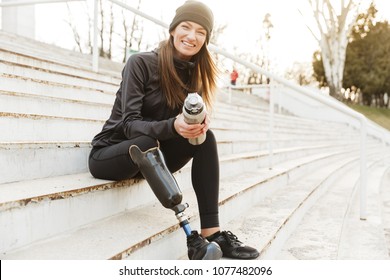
[[210, 138], [114, 162], [210, 135], [145, 142]]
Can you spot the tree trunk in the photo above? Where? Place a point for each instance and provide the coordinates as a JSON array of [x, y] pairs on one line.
[[334, 30]]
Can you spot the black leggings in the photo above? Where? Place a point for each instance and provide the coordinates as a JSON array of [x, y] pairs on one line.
[[114, 163]]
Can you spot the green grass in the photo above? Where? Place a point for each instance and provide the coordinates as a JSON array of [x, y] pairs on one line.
[[378, 115]]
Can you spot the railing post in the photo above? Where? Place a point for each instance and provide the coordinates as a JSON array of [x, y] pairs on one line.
[[271, 126], [230, 94], [384, 148], [363, 168], [95, 51], [278, 98]]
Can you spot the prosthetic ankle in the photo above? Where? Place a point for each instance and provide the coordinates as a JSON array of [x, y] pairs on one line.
[[152, 166]]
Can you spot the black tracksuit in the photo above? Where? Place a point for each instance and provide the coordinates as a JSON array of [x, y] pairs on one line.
[[140, 116]]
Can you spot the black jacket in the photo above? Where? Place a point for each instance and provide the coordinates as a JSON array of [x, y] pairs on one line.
[[140, 107]]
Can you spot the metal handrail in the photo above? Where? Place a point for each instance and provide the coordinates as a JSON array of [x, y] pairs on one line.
[[16, 3], [32, 2], [274, 78]]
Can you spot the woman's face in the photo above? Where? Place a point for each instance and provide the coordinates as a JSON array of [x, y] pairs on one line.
[[188, 39]]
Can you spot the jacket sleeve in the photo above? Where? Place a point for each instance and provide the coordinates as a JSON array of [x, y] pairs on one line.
[[134, 77]]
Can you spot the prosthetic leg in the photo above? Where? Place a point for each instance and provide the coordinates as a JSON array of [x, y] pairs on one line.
[[152, 166]]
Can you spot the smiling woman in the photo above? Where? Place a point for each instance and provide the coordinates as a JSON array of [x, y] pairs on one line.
[[147, 133]]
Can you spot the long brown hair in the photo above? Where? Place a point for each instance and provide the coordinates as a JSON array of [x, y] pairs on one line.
[[203, 79]]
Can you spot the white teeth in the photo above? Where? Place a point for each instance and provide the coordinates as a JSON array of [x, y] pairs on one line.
[[188, 44]]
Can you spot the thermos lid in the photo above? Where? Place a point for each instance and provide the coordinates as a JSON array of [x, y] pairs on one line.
[[193, 104]]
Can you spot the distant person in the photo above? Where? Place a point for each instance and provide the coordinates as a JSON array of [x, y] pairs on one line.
[[252, 81], [147, 116], [233, 77]]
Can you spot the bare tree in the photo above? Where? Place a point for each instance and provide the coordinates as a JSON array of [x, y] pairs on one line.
[[300, 72], [76, 34], [104, 33], [334, 25], [110, 32], [83, 43], [218, 30], [110, 37], [130, 31], [101, 31]]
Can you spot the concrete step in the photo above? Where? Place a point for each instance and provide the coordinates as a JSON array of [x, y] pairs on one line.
[[329, 232], [37, 128], [225, 122], [80, 193], [43, 74], [52, 105], [366, 239], [31, 127], [33, 61], [269, 223], [291, 126], [13, 83], [246, 99], [242, 100], [258, 116], [132, 235], [54, 77], [385, 194], [46, 52], [42, 154], [56, 89], [322, 237], [33, 160], [256, 105], [39, 138], [22, 103]]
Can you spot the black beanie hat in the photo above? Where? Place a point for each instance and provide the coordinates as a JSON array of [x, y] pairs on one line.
[[197, 12]]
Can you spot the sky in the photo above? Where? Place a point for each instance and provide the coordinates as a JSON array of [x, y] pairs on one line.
[[291, 40]]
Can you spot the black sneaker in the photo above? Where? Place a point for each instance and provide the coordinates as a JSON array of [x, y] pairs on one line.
[[201, 249], [232, 247]]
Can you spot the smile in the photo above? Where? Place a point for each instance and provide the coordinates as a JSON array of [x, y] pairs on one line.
[[188, 44]]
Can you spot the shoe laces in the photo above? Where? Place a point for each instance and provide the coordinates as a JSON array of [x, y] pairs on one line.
[[231, 238], [196, 240]]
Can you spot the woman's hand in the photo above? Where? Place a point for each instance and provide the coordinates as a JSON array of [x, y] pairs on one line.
[[190, 130]]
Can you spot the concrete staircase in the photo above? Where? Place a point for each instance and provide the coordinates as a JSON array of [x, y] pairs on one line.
[[51, 105]]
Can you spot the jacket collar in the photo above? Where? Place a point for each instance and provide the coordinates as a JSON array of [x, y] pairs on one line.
[[182, 64]]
